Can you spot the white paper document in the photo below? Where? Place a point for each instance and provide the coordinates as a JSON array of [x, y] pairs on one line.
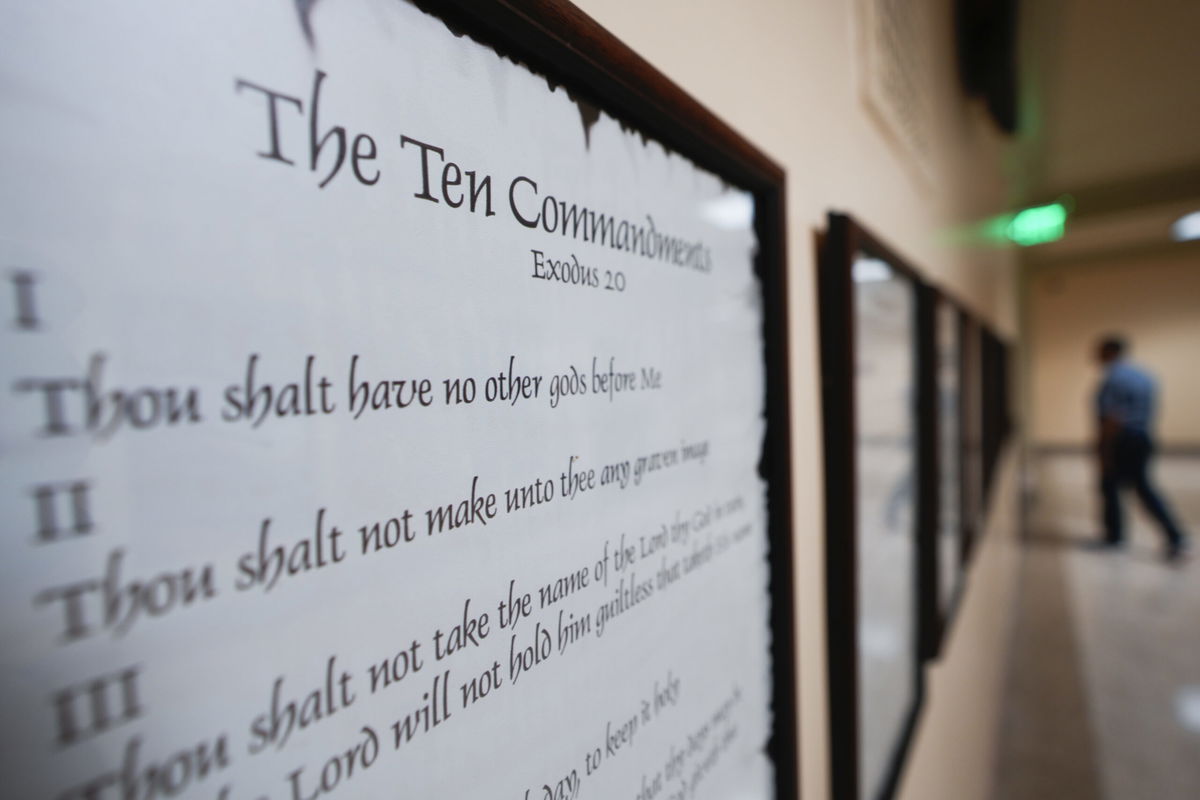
[[379, 421]]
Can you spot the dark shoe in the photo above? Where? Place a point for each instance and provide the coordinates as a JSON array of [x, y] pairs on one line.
[[1106, 545], [1178, 552]]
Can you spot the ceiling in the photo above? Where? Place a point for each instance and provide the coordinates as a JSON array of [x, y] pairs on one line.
[[1110, 114]]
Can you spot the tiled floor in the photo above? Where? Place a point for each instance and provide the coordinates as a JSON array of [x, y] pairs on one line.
[[1103, 695]]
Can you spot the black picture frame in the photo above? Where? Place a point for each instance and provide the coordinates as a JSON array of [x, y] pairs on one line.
[[987, 367], [845, 238], [984, 427], [558, 40], [987, 428], [940, 601], [971, 433], [997, 422]]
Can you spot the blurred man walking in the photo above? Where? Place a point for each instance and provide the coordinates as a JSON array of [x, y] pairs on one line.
[[1125, 406]]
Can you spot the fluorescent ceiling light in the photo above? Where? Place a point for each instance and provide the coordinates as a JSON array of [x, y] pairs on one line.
[[1187, 702], [1186, 227]]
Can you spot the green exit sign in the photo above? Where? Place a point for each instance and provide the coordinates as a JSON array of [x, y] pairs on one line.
[[1030, 226]]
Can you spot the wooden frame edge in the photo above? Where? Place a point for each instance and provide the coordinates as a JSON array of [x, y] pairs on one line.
[[835, 292]]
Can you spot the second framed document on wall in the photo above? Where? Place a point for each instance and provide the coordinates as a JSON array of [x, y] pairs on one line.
[[876, 413]]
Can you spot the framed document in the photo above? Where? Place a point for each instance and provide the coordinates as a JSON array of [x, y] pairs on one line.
[[971, 428], [876, 415], [945, 550], [395, 404], [996, 415]]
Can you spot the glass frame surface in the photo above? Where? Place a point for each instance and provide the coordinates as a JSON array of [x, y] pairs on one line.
[[946, 548], [971, 435], [844, 241]]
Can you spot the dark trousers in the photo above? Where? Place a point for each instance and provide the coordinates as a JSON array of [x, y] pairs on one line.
[[1128, 465]]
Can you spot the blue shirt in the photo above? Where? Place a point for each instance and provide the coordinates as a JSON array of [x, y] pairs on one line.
[[1127, 395]]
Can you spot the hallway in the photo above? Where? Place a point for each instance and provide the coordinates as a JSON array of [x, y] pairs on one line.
[[1103, 692]]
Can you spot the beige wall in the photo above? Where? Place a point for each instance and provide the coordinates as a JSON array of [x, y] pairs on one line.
[[1154, 299], [784, 73]]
